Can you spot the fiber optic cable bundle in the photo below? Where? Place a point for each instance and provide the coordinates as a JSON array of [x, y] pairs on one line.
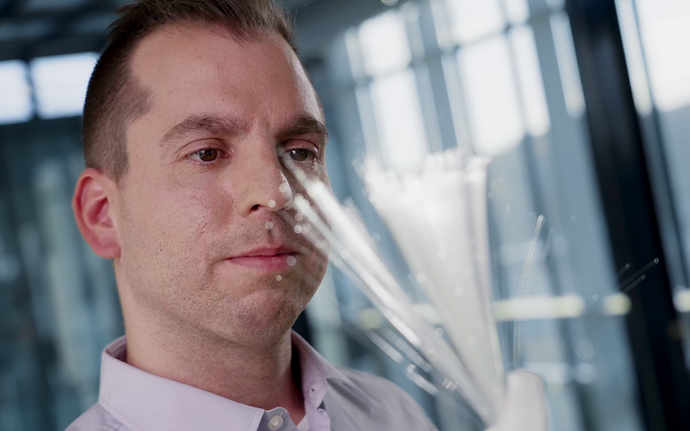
[[438, 217]]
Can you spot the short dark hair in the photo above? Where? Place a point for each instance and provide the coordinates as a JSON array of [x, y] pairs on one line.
[[114, 98]]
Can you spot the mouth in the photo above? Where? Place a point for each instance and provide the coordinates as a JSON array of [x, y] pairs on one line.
[[266, 259]]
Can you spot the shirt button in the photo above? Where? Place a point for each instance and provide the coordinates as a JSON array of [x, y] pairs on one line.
[[275, 422]]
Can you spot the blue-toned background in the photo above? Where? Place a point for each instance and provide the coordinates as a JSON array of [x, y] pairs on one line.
[[397, 81]]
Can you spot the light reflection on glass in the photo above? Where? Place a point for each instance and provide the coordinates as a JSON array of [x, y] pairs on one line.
[[472, 19], [567, 64], [492, 99], [529, 75], [398, 118], [665, 32], [15, 93], [517, 11], [384, 43], [60, 83], [634, 56]]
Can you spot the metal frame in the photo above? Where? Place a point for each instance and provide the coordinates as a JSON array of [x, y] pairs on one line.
[[635, 233], [59, 36]]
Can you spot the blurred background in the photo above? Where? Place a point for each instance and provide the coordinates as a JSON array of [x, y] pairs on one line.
[[583, 106]]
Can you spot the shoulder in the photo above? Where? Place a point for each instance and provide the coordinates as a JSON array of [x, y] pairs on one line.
[[391, 403], [97, 419], [371, 384]]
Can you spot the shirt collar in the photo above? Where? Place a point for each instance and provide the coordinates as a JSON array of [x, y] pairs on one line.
[[318, 373], [146, 402]]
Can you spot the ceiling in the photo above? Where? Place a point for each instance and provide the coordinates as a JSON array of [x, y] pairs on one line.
[[35, 28]]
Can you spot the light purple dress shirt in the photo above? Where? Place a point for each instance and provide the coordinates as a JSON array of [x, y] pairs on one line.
[[335, 399]]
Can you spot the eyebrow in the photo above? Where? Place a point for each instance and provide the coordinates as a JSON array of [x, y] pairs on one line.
[[303, 125], [209, 123], [221, 125]]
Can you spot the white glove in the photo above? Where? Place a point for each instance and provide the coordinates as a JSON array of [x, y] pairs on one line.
[[525, 405]]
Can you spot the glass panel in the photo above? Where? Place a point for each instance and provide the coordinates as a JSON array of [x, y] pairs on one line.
[[634, 56], [655, 35], [567, 64], [398, 118], [518, 95], [384, 43], [517, 11], [60, 83], [15, 93], [665, 32], [65, 296], [529, 74], [491, 96], [472, 19]]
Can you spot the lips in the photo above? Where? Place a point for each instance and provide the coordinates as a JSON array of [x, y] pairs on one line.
[[274, 259]]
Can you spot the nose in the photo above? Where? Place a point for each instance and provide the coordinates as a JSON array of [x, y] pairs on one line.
[[260, 184]]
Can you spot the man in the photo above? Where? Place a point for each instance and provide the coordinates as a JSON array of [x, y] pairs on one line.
[[187, 112]]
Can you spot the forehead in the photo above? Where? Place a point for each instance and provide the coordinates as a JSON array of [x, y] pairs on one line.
[[194, 68]]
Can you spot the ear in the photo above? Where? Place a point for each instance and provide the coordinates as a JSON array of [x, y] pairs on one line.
[[92, 205]]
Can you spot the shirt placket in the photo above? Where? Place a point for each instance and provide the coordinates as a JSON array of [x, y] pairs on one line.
[[316, 413]]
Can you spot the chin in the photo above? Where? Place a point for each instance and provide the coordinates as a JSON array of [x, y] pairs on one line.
[[264, 317]]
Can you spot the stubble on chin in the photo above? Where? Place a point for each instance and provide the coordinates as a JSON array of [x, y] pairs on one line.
[[241, 312], [181, 283], [264, 316]]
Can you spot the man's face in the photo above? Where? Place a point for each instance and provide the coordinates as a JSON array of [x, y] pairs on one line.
[[202, 244]]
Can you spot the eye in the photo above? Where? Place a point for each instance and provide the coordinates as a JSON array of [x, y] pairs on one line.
[[206, 155], [301, 155]]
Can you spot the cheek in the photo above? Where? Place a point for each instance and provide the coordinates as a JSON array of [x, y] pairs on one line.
[[166, 254], [322, 173], [201, 196], [170, 223], [314, 270]]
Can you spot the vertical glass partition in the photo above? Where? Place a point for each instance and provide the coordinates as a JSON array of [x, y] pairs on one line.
[[498, 80]]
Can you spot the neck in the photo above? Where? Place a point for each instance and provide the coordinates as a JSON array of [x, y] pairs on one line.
[[255, 376]]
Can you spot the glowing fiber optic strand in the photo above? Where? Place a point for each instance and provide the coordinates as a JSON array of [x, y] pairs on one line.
[[471, 365], [438, 216]]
